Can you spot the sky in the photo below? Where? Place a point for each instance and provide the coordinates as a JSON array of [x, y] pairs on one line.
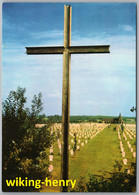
[[101, 84]]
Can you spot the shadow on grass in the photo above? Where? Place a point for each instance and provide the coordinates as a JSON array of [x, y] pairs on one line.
[[118, 182]]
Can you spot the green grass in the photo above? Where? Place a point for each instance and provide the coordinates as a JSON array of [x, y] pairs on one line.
[[97, 157]]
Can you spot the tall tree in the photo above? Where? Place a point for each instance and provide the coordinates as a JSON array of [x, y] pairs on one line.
[[120, 119], [23, 145]]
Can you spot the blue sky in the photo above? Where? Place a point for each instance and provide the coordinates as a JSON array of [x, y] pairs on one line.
[[101, 84]]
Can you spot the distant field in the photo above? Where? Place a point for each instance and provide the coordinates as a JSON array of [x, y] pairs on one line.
[[99, 146]]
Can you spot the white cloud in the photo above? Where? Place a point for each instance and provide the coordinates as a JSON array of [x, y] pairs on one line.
[[118, 44], [128, 28], [51, 34], [55, 94], [93, 76], [96, 103]]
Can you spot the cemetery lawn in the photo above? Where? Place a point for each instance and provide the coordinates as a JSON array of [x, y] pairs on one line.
[[97, 157]]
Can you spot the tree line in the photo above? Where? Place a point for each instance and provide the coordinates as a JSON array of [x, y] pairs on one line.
[[85, 118]]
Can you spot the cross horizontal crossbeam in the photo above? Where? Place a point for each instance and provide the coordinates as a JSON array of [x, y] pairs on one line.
[[70, 49]]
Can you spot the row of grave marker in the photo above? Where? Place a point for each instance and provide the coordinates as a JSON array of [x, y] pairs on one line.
[[84, 132], [126, 132]]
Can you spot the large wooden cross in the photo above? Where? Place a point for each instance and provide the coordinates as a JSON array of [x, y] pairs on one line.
[[66, 50]]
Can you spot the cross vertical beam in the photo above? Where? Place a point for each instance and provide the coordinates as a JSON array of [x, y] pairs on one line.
[[66, 96], [66, 50]]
